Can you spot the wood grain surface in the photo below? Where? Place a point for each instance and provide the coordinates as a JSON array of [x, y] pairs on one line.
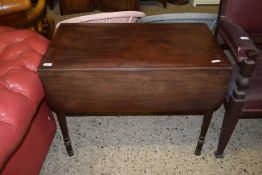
[[134, 68]]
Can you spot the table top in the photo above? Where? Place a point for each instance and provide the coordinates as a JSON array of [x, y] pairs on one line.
[[133, 46]]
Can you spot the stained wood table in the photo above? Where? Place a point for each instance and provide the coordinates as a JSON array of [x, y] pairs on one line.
[[125, 69]]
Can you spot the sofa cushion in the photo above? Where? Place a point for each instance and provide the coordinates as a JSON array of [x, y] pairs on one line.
[[20, 88]]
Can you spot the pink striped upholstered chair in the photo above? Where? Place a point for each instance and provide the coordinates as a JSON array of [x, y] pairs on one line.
[[112, 17]]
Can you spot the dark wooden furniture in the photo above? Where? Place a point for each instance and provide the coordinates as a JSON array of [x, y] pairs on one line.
[[118, 5], [134, 69], [51, 4], [69, 6], [76, 6], [178, 2], [240, 30]]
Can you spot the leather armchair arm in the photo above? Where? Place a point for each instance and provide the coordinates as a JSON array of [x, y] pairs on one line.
[[25, 18], [237, 39], [38, 9], [12, 6]]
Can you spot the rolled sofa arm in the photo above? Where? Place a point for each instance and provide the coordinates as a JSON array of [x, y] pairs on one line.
[[14, 6], [237, 39], [40, 8], [24, 18]]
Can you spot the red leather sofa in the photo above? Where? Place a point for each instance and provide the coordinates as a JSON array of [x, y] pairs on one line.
[[27, 126]]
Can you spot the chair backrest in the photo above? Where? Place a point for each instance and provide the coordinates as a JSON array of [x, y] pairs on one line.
[[113, 17], [247, 13]]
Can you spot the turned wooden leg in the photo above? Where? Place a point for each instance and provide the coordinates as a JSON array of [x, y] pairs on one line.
[[205, 124], [229, 123], [178, 2], [165, 3], [51, 4], [63, 126]]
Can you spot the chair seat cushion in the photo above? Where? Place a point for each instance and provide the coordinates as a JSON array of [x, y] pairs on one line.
[[207, 18], [254, 92]]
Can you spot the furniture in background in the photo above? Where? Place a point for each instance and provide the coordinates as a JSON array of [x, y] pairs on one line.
[[207, 18], [126, 69], [51, 4], [112, 17], [27, 126], [178, 2], [117, 5], [76, 6], [27, 14], [204, 2], [240, 30]]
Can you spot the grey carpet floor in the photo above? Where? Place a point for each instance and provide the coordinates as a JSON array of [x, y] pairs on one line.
[[134, 145], [153, 145]]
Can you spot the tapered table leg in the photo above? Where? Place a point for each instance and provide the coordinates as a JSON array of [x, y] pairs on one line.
[[63, 126], [205, 124], [229, 123]]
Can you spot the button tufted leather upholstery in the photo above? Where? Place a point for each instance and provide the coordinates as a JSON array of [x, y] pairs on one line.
[[21, 92]]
